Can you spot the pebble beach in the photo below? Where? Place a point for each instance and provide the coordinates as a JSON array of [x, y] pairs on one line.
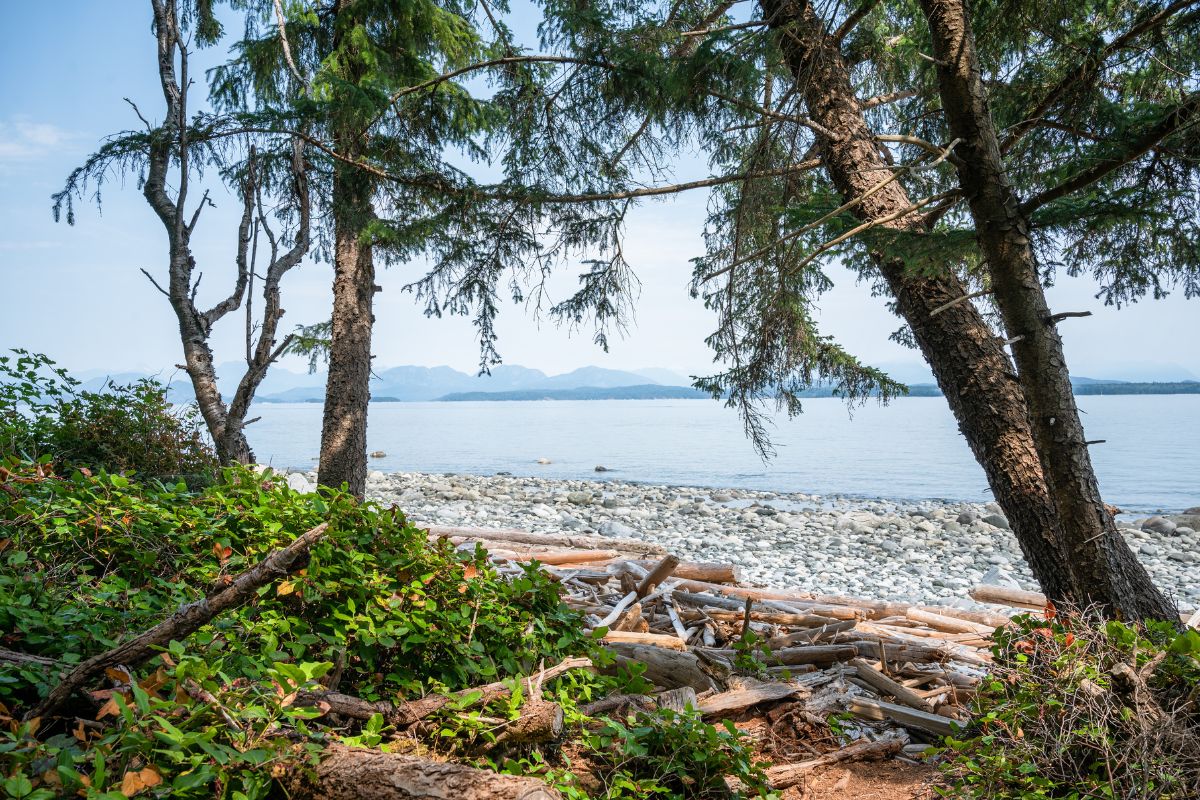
[[926, 551]]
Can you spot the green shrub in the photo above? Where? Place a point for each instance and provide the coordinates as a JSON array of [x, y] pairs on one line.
[[87, 560], [129, 428], [1079, 709]]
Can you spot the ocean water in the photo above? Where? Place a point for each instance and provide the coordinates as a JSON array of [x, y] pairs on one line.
[[910, 449]]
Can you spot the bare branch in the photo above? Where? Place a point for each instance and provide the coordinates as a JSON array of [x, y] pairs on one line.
[[965, 298], [884, 99], [281, 22], [156, 286]]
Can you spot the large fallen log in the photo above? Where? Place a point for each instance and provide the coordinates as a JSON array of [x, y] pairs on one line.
[[669, 669], [1004, 596], [942, 622], [580, 541], [814, 654], [540, 721], [351, 773], [725, 703], [908, 717], [184, 622], [653, 639]]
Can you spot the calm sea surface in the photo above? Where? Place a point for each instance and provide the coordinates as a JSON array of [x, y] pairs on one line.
[[910, 449]]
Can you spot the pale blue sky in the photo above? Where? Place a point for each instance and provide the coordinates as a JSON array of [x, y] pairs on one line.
[[77, 295]]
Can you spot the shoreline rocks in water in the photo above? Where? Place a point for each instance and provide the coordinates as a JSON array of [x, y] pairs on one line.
[[926, 551]]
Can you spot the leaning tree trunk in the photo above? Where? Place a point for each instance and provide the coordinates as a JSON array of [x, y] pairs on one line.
[[344, 428], [1106, 572], [967, 359]]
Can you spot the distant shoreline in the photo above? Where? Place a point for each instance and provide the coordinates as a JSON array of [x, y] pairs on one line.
[[659, 392]]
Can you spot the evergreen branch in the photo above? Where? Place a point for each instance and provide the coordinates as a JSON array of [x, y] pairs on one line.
[[1176, 119], [1087, 71], [481, 65]]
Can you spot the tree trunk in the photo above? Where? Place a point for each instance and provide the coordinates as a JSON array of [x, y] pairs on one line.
[[967, 359], [1106, 572], [229, 438], [344, 428]]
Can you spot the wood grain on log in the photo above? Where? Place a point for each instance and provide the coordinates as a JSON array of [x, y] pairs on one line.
[[889, 688], [669, 669], [351, 773], [725, 703], [908, 717]]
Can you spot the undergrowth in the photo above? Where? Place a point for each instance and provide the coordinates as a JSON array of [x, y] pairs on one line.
[[1076, 708], [109, 546], [379, 610]]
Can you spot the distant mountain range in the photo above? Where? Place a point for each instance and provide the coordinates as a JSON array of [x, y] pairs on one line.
[[512, 382]]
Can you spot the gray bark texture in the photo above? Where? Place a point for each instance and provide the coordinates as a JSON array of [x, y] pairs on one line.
[[1104, 570], [169, 145], [348, 773]]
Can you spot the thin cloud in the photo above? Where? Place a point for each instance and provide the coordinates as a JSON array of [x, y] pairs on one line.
[[22, 140]]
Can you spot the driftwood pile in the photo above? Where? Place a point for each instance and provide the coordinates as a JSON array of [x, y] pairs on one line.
[[904, 672]]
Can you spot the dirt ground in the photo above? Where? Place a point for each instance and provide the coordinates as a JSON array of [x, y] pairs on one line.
[[879, 780]]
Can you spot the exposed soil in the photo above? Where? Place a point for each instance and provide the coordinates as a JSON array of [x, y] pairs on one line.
[[881, 780]]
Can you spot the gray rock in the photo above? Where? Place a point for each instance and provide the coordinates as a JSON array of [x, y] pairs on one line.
[[1186, 520], [1186, 558], [378, 454], [298, 483], [375, 475], [996, 520], [1159, 525], [580, 498], [600, 468], [996, 576], [544, 461], [966, 518], [616, 529]]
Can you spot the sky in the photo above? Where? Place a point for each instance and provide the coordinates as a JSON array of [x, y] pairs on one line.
[[77, 294]]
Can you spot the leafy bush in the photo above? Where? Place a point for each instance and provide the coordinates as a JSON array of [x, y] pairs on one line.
[[1079, 709], [88, 560], [123, 428], [672, 755]]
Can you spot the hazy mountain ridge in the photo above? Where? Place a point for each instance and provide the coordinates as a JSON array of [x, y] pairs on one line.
[[410, 383]]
